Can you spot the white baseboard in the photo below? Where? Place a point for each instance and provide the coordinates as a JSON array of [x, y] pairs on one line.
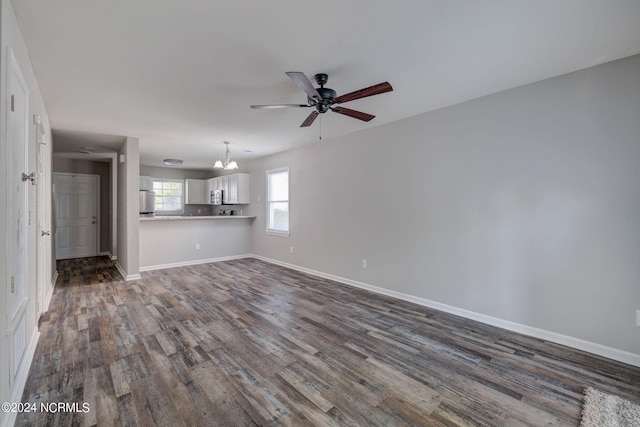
[[9, 418], [125, 276], [577, 343], [194, 262], [47, 297]]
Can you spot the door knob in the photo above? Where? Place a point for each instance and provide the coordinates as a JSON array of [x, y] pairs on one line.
[[45, 233]]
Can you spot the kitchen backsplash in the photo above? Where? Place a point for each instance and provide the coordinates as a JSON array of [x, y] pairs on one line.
[[198, 210]]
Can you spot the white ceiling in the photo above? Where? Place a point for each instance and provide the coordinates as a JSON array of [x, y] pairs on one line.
[[180, 75]]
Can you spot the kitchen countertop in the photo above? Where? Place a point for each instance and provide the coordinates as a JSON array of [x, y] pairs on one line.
[[174, 217]]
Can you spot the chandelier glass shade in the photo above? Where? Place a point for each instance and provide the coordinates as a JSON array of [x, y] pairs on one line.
[[226, 163]]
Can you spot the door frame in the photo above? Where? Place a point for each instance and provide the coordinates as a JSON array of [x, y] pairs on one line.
[[44, 285], [111, 157], [98, 219]]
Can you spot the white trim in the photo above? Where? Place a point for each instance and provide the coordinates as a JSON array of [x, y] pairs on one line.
[[125, 276], [98, 219], [21, 377], [577, 343], [183, 195], [114, 186], [196, 262], [278, 233], [49, 294], [268, 202]]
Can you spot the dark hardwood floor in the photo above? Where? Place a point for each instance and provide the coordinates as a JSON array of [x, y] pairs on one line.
[[249, 343]]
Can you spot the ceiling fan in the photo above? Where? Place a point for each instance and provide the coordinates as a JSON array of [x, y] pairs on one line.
[[324, 99]]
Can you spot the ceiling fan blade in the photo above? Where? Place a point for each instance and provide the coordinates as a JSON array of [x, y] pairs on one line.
[[259, 107], [303, 83], [363, 93], [309, 120], [353, 113]]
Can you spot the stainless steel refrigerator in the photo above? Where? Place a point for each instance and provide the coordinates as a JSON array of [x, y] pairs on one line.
[[147, 203]]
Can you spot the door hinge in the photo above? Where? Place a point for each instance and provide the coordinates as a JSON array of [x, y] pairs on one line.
[[13, 284], [13, 103], [31, 176]]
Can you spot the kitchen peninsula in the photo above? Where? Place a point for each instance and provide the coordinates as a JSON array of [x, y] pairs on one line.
[[172, 241], [178, 217], [204, 231]]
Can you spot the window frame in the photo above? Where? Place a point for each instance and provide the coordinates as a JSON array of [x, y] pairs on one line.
[[172, 212], [268, 203]]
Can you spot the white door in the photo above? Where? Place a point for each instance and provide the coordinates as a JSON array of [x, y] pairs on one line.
[[18, 111], [76, 198]]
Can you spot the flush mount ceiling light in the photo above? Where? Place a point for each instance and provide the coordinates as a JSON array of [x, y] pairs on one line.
[[172, 162], [226, 163]]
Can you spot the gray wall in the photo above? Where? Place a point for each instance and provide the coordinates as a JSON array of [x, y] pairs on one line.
[[173, 173], [103, 169], [128, 208], [523, 206], [173, 242]]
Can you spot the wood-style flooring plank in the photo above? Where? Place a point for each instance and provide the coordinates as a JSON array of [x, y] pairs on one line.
[[247, 343]]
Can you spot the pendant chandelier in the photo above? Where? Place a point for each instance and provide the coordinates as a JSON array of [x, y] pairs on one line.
[[226, 163]]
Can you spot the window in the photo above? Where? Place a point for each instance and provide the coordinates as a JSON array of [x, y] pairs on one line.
[[169, 196], [278, 201]]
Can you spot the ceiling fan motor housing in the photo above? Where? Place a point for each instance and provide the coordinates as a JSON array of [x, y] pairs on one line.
[[327, 99], [327, 94]]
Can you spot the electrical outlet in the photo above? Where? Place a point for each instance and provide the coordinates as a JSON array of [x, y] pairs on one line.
[[637, 317], [291, 249], [364, 263], [197, 245]]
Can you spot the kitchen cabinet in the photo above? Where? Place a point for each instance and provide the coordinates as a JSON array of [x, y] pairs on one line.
[[196, 192], [236, 189], [210, 186], [146, 183], [223, 183]]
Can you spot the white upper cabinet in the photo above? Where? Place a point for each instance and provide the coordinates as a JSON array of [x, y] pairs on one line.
[[210, 186], [146, 183], [237, 189], [196, 192], [217, 184], [223, 184]]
